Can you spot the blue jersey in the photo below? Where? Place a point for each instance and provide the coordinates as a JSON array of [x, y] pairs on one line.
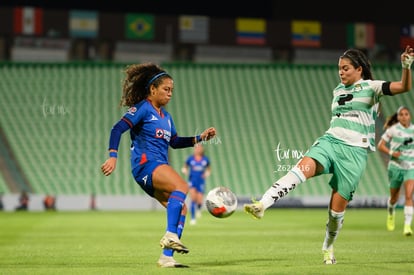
[[196, 170], [150, 133]]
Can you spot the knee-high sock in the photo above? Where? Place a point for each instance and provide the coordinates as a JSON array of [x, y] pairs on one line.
[[408, 214], [391, 207], [175, 205], [193, 209], [180, 227], [282, 187], [181, 223], [333, 226]]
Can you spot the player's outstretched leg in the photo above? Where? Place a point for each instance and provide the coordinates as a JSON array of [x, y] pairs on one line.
[[277, 191], [256, 209]]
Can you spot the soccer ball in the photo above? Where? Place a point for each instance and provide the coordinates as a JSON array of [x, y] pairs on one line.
[[221, 202]]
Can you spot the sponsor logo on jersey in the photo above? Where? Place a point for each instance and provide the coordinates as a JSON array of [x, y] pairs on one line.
[[162, 133], [132, 110], [358, 88], [159, 133]]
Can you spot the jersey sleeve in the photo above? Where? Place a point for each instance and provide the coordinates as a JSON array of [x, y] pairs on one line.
[[116, 132], [377, 87], [130, 118], [135, 114], [387, 135]]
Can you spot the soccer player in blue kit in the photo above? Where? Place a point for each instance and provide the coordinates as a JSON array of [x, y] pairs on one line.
[[147, 88], [197, 168]]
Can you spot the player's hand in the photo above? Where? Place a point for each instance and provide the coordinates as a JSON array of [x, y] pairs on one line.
[[407, 57], [208, 134], [108, 166]]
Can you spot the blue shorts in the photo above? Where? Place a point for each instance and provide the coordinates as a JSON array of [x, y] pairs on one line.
[[346, 163], [143, 175], [198, 185]]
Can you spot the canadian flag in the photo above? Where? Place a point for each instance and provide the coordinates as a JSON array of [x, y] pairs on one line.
[[28, 20]]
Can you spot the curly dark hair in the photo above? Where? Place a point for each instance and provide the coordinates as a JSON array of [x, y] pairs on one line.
[[138, 80]]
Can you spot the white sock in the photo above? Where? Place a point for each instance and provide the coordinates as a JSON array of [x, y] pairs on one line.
[[333, 226], [282, 186], [391, 207], [408, 214]]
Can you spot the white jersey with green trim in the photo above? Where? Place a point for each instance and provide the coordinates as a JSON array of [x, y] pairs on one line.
[[401, 139], [354, 111]]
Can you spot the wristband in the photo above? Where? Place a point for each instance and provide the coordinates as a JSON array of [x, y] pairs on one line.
[[406, 63], [113, 154], [198, 138], [391, 152]]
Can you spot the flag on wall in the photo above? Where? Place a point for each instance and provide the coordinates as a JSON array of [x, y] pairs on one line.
[[306, 33], [139, 26], [407, 36], [361, 35], [28, 20], [194, 29], [83, 24], [251, 31]]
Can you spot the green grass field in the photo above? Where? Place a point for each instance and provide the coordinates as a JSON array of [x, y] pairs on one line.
[[285, 241]]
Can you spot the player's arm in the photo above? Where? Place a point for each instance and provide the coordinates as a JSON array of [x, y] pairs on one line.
[[184, 142], [398, 87], [383, 146], [184, 169], [207, 173], [115, 137]]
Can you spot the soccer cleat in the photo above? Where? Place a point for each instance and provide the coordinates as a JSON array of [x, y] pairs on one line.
[[255, 208], [171, 241], [407, 230], [168, 261], [198, 214], [328, 257], [193, 222], [391, 222]]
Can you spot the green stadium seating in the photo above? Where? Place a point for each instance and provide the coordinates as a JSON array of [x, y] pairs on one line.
[[57, 119], [3, 185]]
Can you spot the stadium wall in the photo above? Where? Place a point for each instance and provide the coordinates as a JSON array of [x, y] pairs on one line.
[[144, 203]]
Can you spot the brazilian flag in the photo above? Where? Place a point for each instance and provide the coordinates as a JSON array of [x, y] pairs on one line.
[[139, 26]]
